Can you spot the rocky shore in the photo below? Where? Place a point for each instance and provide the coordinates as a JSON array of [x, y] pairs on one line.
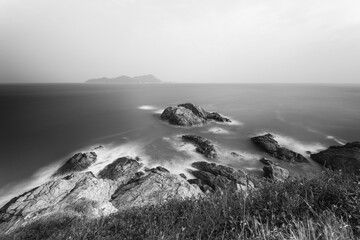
[[127, 182]]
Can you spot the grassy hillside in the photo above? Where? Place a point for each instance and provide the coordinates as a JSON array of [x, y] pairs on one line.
[[324, 207]]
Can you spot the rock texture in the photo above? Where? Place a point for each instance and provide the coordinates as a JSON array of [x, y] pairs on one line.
[[79, 162], [121, 170], [119, 186], [203, 145], [268, 144], [76, 189], [219, 177], [346, 157], [156, 187], [274, 172], [188, 114]]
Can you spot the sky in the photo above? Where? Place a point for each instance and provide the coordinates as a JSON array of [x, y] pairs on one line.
[[240, 41]]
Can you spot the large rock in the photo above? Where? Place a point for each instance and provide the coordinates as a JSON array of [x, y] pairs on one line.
[[203, 145], [220, 177], [79, 162], [158, 186], [268, 144], [346, 157], [121, 170], [80, 193], [274, 172], [188, 114]]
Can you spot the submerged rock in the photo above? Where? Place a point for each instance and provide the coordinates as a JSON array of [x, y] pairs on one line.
[[188, 114], [203, 145], [156, 187], [346, 157], [79, 162], [268, 144], [220, 177]]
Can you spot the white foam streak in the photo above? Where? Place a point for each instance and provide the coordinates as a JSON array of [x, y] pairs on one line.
[[298, 146], [217, 130], [110, 153], [41, 176], [339, 141], [147, 107]]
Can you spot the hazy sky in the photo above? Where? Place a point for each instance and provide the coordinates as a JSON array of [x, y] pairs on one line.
[[180, 41]]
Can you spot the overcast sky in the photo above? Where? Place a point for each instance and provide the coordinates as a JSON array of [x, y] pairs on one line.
[[181, 41]]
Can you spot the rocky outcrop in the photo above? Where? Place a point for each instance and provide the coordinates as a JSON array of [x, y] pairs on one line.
[[79, 162], [119, 186], [219, 177], [274, 172], [62, 194], [158, 186], [268, 144], [121, 170], [346, 157], [203, 145], [188, 114]]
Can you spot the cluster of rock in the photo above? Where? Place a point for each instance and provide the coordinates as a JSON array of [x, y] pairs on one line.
[[203, 145], [120, 185], [188, 114], [127, 183]]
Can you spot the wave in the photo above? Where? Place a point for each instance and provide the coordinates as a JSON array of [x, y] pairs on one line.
[[147, 107], [339, 141], [298, 146], [217, 130]]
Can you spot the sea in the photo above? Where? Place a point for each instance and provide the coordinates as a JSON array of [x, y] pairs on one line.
[[43, 125]]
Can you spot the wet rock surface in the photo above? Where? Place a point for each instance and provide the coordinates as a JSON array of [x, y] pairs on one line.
[[219, 177], [346, 157], [188, 114], [268, 144], [79, 162], [203, 145]]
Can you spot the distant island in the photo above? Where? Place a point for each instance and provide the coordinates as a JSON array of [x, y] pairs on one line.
[[126, 79]]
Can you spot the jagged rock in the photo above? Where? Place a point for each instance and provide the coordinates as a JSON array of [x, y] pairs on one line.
[[188, 114], [203, 145], [61, 194], [79, 162], [153, 188], [274, 172], [270, 145], [183, 176], [203, 187], [346, 157], [220, 177], [266, 161], [121, 170]]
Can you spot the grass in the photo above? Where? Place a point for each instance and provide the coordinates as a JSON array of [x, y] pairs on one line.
[[324, 207]]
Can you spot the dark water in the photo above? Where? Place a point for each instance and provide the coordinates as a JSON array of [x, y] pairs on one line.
[[45, 124]]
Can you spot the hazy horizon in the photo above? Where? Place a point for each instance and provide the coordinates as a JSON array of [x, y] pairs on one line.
[[180, 41]]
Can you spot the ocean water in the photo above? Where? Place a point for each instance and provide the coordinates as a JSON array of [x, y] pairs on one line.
[[42, 125]]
